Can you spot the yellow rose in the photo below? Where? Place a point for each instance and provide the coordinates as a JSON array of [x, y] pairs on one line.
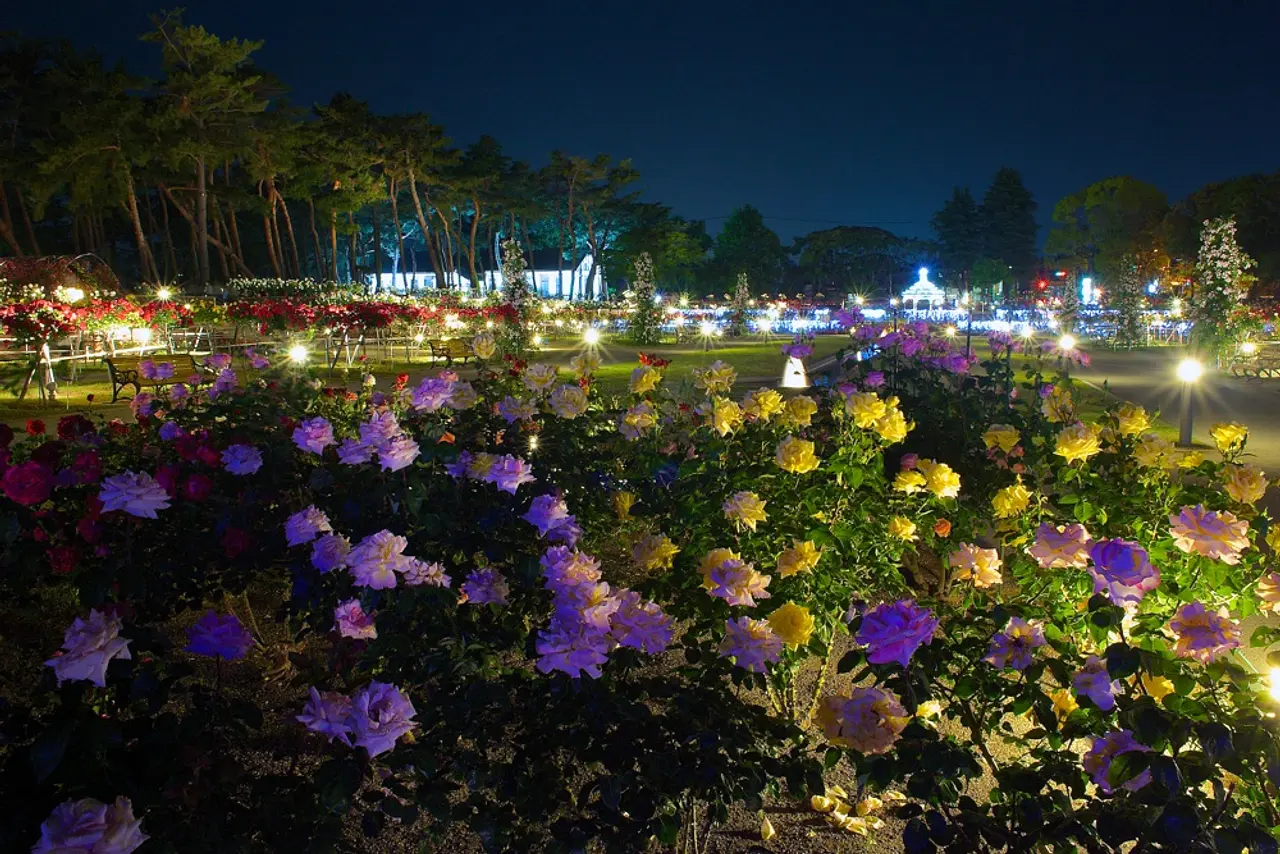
[[980, 565], [909, 481], [1058, 407], [745, 510], [799, 411], [902, 528], [893, 426], [1011, 500], [539, 377], [1244, 483], [636, 420], [801, 557], [623, 501], [940, 478], [793, 623], [1152, 451], [568, 401], [1157, 686], [1064, 703], [585, 364], [1078, 442], [1002, 436], [796, 455], [716, 378], [866, 407], [1273, 538], [726, 416], [927, 710], [644, 379], [1131, 419], [1229, 436], [483, 346], [762, 404], [711, 561], [654, 551], [1188, 459]]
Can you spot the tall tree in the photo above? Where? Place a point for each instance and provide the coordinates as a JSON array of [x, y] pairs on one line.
[[746, 245], [1109, 227], [851, 258], [958, 226], [607, 211], [207, 99], [1009, 223]]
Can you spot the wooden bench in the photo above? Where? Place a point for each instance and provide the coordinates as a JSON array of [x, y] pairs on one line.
[[125, 371], [1263, 362], [450, 350]]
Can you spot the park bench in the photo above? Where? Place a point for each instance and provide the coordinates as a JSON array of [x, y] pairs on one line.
[[450, 350], [125, 371], [1262, 362]]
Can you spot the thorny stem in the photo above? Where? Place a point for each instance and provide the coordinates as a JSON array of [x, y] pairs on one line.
[[822, 683], [253, 621], [975, 728]]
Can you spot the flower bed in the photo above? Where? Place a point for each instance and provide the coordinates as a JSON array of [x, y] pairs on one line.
[[512, 611]]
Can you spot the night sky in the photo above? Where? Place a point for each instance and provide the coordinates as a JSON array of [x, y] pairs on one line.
[[818, 114]]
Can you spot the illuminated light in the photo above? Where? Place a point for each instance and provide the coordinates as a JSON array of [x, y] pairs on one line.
[[546, 309], [894, 302], [793, 374], [950, 332], [559, 323], [74, 295], [766, 325], [1189, 370], [533, 443], [591, 337], [143, 334], [488, 324], [187, 306], [1274, 679], [860, 299], [706, 328], [684, 302], [924, 273], [1067, 342], [1028, 332], [1248, 348], [419, 338], [164, 294], [680, 320], [298, 354]]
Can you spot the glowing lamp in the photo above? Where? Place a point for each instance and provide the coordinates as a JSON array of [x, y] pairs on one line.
[[164, 293], [533, 443], [793, 374], [1274, 678], [418, 339], [143, 334], [298, 354], [707, 329], [73, 295], [860, 299], [1067, 342], [591, 337], [488, 324], [1248, 348], [766, 325], [950, 332], [1028, 332], [1189, 370], [680, 319]]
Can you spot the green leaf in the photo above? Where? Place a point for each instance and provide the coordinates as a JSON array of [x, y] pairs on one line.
[[48, 750], [1126, 766]]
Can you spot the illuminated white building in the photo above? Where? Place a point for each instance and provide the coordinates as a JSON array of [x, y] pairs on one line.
[[923, 290], [546, 280]]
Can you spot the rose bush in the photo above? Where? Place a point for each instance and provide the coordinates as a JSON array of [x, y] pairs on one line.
[[509, 608]]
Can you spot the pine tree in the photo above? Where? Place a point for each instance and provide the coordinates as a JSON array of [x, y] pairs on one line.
[[741, 298], [1070, 311], [1222, 284], [646, 317]]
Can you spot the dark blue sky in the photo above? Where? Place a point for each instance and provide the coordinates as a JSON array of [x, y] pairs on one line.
[[817, 113]]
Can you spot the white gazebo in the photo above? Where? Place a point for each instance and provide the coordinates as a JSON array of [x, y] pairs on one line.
[[923, 290]]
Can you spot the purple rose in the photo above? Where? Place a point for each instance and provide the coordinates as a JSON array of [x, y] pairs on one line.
[[1097, 762], [893, 631], [219, 637], [1122, 570]]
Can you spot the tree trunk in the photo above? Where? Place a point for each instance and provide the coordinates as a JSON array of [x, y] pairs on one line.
[[171, 255], [191, 220], [288, 225], [377, 249], [6, 224], [222, 236], [395, 216], [202, 221], [333, 243], [195, 248], [352, 249], [237, 246], [26, 219], [315, 239], [271, 247], [146, 263], [427, 236]]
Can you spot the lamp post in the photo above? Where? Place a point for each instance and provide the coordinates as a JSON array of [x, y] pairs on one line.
[[1189, 370], [968, 326]]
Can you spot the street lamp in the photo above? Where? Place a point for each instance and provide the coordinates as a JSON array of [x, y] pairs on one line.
[[1189, 371], [707, 330], [1067, 343], [298, 354], [591, 337], [164, 294]]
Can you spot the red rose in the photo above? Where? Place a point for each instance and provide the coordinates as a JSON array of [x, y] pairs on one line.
[[187, 446], [35, 427], [63, 559], [88, 467], [72, 427], [197, 488], [208, 455], [235, 542], [401, 381], [29, 483], [167, 476]]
